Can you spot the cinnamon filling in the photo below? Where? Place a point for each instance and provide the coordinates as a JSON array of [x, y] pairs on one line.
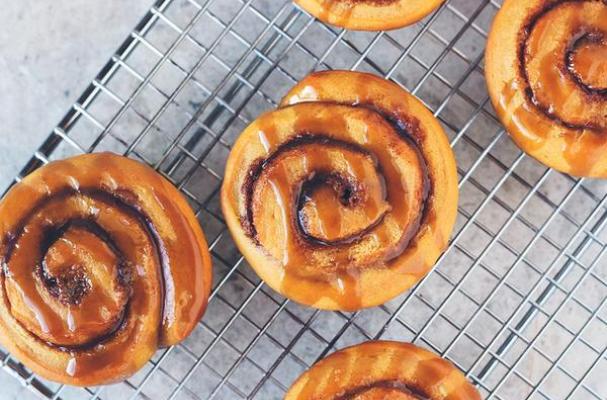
[[329, 190], [77, 294], [587, 62], [322, 193], [563, 63], [320, 196], [339, 199]]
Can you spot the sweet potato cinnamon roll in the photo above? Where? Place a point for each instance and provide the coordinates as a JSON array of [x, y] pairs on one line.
[[370, 15], [383, 370], [345, 196], [546, 68], [103, 262]]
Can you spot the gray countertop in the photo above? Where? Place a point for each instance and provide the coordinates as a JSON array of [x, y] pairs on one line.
[[49, 52]]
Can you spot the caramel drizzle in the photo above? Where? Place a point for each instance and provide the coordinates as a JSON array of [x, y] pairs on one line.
[[349, 195], [54, 233], [320, 178], [123, 200], [255, 171], [568, 69], [388, 385]]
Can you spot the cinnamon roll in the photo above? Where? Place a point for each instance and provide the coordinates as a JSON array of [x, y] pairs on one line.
[[103, 262], [546, 67], [383, 370], [370, 15], [345, 196]]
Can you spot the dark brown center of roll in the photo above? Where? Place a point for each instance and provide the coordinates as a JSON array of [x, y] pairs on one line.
[[62, 269], [323, 197], [587, 62]]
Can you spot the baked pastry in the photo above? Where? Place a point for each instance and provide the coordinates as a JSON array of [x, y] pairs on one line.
[[103, 262], [546, 67], [346, 196], [383, 370], [370, 15]]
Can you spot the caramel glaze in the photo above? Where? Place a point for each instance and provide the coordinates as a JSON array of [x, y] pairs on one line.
[[555, 70], [552, 99], [369, 14], [347, 189], [346, 195], [349, 194], [586, 64], [93, 268], [80, 285], [381, 370], [303, 246], [330, 7]]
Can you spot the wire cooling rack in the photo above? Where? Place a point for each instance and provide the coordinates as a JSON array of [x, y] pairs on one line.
[[518, 300]]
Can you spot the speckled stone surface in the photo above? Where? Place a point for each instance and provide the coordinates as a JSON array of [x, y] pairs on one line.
[[49, 52]]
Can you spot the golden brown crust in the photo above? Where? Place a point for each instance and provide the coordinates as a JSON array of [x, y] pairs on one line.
[[383, 370], [346, 196], [103, 263], [546, 68], [370, 15]]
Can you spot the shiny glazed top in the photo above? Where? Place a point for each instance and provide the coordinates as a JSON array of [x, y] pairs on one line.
[[332, 199], [369, 14], [103, 262], [382, 370], [547, 76]]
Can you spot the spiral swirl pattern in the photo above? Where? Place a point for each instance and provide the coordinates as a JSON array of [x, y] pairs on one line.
[[332, 198], [547, 76], [102, 263], [382, 370]]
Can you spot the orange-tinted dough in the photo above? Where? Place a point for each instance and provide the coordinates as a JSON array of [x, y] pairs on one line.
[[346, 196], [103, 263], [546, 67], [370, 15], [383, 370]]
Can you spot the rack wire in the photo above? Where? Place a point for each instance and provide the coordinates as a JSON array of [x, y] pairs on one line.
[[518, 300]]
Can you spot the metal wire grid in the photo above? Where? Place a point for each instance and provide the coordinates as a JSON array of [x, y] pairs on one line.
[[518, 300]]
